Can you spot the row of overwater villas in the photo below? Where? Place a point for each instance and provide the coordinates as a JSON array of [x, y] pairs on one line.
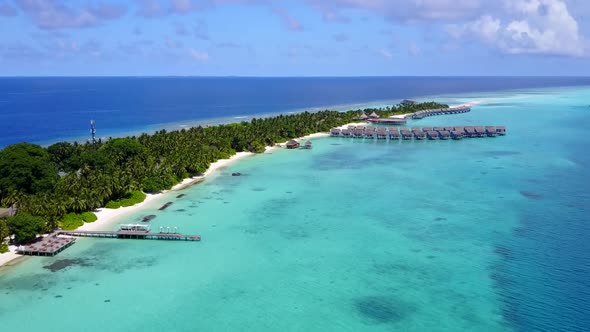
[[442, 111], [432, 133]]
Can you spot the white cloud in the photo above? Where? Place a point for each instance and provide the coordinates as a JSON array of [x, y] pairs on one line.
[[198, 55], [386, 54], [539, 27]]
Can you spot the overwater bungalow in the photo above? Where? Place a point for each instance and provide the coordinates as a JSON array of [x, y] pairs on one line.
[[418, 134], [448, 128], [358, 133], [292, 144], [335, 132], [432, 135], [491, 131], [425, 129], [393, 133], [470, 132], [307, 145], [438, 129], [457, 135], [406, 134], [351, 127], [501, 130], [370, 132], [479, 131], [381, 133], [461, 129], [444, 134], [345, 132]]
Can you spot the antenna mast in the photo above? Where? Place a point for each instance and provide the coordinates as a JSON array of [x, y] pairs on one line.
[[92, 131]]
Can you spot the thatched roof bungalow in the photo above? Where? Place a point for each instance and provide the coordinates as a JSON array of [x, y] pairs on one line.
[[292, 144]]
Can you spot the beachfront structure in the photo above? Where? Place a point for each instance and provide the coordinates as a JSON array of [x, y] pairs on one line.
[[307, 145], [407, 102], [292, 144], [479, 131], [444, 134], [388, 121], [374, 115], [393, 133], [7, 212], [335, 132], [457, 135], [135, 227], [430, 133], [491, 131]]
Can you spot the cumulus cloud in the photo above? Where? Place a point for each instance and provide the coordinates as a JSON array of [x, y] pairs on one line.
[[198, 55], [536, 27], [400, 10], [57, 15], [290, 22], [385, 53]]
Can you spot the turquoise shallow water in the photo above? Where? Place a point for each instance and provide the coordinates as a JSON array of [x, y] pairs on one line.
[[353, 235]]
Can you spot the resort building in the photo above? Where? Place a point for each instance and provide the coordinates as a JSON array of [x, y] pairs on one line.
[[292, 144], [407, 102]]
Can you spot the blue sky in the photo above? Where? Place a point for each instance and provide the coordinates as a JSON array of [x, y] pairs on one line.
[[294, 37]]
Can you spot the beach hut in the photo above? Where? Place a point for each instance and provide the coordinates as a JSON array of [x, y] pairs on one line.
[[374, 115], [307, 145], [335, 132], [292, 144], [363, 116]]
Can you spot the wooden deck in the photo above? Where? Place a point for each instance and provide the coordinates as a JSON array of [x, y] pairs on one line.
[[49, 245]]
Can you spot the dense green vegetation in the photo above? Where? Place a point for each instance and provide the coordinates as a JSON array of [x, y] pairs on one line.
[[74, 220], [128, 200], [117, 172]]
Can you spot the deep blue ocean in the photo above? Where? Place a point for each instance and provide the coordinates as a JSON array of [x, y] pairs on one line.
[[486, 234], [44, 110]]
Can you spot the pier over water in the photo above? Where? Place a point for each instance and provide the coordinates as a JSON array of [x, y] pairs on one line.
[[59, 240]]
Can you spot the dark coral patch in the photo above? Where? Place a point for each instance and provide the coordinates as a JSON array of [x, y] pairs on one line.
[[382, 309], [530, 194], [65, 263]]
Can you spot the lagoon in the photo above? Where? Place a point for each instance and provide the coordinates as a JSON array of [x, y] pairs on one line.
[[353, 235]]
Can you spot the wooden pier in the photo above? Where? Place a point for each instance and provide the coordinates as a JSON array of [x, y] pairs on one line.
[[140, 235], [442, 111], [57, 241], [425, 133]]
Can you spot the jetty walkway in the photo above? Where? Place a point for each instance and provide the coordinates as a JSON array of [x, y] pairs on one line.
[[53, 243], [430, 133]]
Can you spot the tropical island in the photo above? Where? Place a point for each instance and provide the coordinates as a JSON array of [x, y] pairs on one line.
[[60, 185]]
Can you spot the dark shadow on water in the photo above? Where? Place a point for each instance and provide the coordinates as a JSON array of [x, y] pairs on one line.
[[382, 309], [61, 264], [530, 194]]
